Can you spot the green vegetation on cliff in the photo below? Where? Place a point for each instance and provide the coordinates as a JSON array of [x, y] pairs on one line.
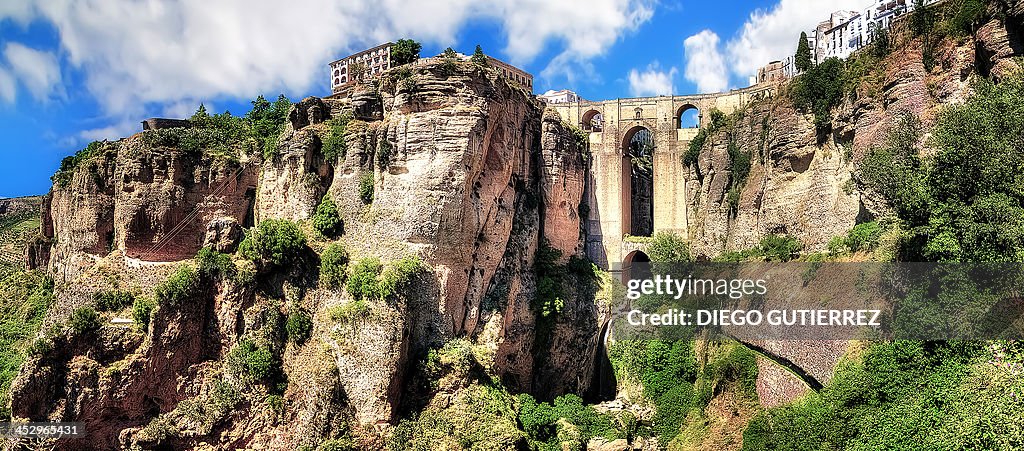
[[25, 298]]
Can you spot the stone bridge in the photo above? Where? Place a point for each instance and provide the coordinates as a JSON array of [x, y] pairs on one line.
[[637, 184]]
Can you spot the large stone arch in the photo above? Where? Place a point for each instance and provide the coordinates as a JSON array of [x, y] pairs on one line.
[[637, 182]]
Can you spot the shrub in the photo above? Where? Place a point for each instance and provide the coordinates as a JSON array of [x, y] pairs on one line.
[[366, 188], [250, 363], [863, 237], [780, 248], [299, 326], [669, 247], [334, 145], [334, 265], [142, 310], [363, 283], [211, 264], [84, 319], [399, 275], [68, 165], [349, 312], [326, 219], [113, 300], [819, 90], [274, 243], [178, 287], [338, 444]]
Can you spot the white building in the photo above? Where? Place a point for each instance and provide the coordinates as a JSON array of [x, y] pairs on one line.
[[848, 31], [371, 62], [563, 96]]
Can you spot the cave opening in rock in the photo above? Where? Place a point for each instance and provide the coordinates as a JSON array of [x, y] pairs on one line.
[[638, 182]]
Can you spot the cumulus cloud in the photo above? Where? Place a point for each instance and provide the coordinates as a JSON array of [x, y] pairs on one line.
[[770, 35], [651, 82], [159, 52], [37, 70], [705, 65]]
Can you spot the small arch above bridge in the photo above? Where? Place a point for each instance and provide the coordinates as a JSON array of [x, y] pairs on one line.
[[688, 116], [593, 121]]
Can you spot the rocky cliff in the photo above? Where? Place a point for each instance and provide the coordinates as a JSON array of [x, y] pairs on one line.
[[800, 179], [465, 172]]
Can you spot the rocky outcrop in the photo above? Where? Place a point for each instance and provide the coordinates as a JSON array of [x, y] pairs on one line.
[[468, 174], [151, 203], [795, 185]]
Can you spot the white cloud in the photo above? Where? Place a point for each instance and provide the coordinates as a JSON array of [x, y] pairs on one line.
[[705, 65], [651, 82], [772, 35], [8, 88], [159, 52], [37, 70]]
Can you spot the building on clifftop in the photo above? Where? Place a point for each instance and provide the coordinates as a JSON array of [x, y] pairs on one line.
[[368, 62]]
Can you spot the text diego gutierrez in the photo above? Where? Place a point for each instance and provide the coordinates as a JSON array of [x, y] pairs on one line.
[[682, 317]]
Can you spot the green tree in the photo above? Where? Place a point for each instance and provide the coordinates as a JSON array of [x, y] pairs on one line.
[[405, 51], [819, 90], [803, 54], [478, 56]]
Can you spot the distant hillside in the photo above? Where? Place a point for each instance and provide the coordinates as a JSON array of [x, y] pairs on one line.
[[19, 223]]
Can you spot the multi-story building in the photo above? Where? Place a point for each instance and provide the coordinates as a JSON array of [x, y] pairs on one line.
[[369, 62], [562, 96], [848, 31], [515, 74], [773, 72], [375, 61]]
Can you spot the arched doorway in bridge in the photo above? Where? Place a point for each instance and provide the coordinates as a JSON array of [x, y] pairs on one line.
[[687, 116], [638, 182], [592, 121], [636, 265]]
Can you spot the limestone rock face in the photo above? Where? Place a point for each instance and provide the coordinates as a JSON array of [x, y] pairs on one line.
[[223, 234], [794, 187], [467, 173], [293, 182], [151, 203]]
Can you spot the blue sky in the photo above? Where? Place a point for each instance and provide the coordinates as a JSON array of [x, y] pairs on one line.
[[73, 71]]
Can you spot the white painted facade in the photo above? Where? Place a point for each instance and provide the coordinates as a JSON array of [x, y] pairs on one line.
[[562, 96]]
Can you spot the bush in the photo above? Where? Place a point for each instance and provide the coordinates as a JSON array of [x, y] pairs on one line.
[[113, 300], [780, 248], [819, 90], [541, 420], [83, 320], [370, 281], [250, 363], [334, 145], [334, 265], [142, 310], [274, 243], [299, 326], [669, 247], [326, 219], [863, 237], [212, 264], [363, 284], [182, 284], [366, 188], [68, 165]]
